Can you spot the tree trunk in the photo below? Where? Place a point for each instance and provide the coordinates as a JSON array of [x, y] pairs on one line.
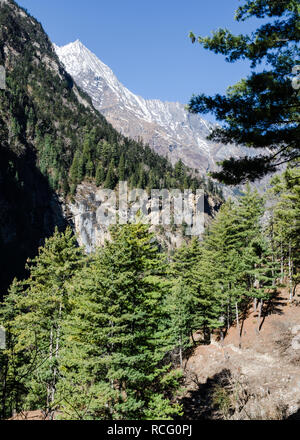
[[192, 336], [57, 346], [238, 324], [222, 336], [281, 262], [50, 385], [272, 245], [290, 274], [228, 315], [180, 352], [259, 316]]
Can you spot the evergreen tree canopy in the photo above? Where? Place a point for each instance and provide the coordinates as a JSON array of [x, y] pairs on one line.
[[262, 110], [116, 335], [101, 336]]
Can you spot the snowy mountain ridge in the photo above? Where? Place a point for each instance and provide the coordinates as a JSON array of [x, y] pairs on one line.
[[166, 126]]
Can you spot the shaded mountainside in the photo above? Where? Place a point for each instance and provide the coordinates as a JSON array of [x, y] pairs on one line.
[[52, 139], [30, 210]]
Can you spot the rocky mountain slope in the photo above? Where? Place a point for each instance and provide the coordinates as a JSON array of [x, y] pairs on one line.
[[260, 380], [82, 210], [166, 126]]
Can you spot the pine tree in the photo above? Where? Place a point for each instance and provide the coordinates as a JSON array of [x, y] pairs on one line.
[[89, 168], [41, 303], [180, 306], [110, 180], [121, 169], [100, 174], [264, 272], [116, 338], [262, 110], [12, 390], [237, 261], [179, 170], [183, 261], [219, 243], [284, 225], [74, 170], [142, 180]]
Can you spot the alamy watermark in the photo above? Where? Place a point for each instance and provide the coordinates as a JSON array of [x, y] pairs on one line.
[[2, 78], [163, 207]]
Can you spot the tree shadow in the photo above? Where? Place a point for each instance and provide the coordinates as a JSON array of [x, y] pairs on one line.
[[200, 404], [295, 416], [272, 307]]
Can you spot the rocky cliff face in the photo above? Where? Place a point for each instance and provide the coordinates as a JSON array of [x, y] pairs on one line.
[[92, 232], [166, 126]]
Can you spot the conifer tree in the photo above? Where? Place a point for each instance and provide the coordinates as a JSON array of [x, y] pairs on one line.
[[121, 169], [284, 225], [110, 180], [142, 180], [264, 271], [208, 308], [100, 174], [116, 337], [219, 243], [182, 264], [41, 303], [74, 170], [262, 110], [89, 168], [180, 307]]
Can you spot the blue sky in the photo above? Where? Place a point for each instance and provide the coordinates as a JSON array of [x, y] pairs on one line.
[[145, 42]]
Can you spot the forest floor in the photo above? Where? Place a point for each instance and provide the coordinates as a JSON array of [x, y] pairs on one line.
[[259, 379]]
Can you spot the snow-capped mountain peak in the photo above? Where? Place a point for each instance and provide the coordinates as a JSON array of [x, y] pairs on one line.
[[166, 126]]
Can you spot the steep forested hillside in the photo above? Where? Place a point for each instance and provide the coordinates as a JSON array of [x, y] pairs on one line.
[[52, 138], [107, 336]]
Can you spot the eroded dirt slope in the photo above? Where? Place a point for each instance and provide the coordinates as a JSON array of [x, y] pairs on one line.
[[260, 380]]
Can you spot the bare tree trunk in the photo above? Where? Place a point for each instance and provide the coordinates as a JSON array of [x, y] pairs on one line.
[[238, 324], [228, 314], [255, 305], [290, 274], [281, 262], [222, 336], [256, 286], [192, 336], [272, 245], [259, 316]]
